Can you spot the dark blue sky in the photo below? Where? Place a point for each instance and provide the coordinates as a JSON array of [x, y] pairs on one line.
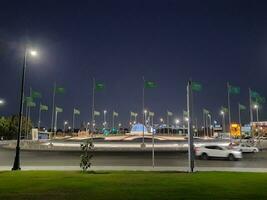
[[118, 42]]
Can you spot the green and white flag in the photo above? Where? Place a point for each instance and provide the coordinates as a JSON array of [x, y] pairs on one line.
[[133, 114], [185, 113], [254, 94], [60, 90], [241, 107], [233, 89], [224, 109], [205, 111], [196, 87], [76, 111], [152, 114], [43, 107], [36, 94], [96, 113], [169, 113], [260, 100], [115, 114], [31, 104], [58, 109], [99, 86], [150, 84]]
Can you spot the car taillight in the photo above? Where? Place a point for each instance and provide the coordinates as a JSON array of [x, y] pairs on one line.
[[196, 149]]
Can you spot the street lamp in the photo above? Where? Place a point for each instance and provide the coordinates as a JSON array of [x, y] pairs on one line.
[[65, 123], [33, 53], [256, 107], [105, 121], [2, 102], [223, 120], [177, 121]]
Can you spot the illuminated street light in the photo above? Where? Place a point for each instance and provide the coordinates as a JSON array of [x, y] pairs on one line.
[[2, 102], [256, 107], [16, 165]]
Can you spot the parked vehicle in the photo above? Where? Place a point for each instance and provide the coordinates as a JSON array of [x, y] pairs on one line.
[[215, 151], [246, 148]]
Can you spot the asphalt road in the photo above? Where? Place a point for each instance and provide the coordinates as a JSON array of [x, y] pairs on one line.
[[162, 159]]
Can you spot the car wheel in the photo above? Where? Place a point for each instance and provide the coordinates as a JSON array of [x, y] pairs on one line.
[[231, 157], [254, 150], [204, 156]]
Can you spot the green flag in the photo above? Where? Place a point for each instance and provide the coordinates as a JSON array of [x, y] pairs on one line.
[[185, 113], [60, 90], [31, 104], [36, 94], [96, 113], [133, 114], [115, 114], [233, 89], [196, 87], [224, 109], [205, 111], [58, 109], [241, 107], [254, 94], [76, 111], [43, 107], [150, 84], [169, 113], [152, 114], [28, 99], [99, 86], [260, 100]]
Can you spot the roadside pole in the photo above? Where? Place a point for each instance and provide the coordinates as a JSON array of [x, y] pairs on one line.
[[190, 129], [153, 147]]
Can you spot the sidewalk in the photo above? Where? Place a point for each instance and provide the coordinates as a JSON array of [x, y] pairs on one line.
[[136, 168]]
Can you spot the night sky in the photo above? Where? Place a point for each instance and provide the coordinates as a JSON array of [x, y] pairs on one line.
[[119, 42]]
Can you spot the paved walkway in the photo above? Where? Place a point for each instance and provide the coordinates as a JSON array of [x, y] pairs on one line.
[[136, 168]]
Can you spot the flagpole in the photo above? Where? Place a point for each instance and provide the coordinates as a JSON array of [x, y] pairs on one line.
[[250, 106], [143, 139], [239, 114], [93, 110], [53, 109], [113, 120], [168, 123], [55, 125], [28, 116], [204, 125], [229, 105], [73, 116], [190, 131], [39, 118]]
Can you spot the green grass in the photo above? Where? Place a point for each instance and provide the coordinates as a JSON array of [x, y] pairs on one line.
[[131, 185]]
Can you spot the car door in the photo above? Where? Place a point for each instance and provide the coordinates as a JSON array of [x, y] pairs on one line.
[[220, 152]]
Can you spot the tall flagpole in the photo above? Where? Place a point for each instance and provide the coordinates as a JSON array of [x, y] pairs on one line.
[[229, 105], [143, 111], [204, 124], [39, 118], [55, 124], [113, 120], [93, 109], [250, 106], [73, 118], [190, 129], [53, 108], [239, 114]]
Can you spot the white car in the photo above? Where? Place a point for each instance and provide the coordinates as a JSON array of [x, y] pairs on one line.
[[215, 151], [245, 148]]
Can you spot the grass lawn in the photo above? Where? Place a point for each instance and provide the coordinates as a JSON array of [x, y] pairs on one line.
[[132, 185]]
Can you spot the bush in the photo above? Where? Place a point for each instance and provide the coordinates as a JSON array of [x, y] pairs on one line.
[[87, 155]]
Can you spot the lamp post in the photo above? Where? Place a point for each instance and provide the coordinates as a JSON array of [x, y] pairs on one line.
[[2, 102], [223, 120], [256, 107], [16, 165], [177, 121], [65, 123], [105, 121]]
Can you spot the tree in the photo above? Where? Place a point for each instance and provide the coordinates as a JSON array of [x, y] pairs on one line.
[[86, 156]]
